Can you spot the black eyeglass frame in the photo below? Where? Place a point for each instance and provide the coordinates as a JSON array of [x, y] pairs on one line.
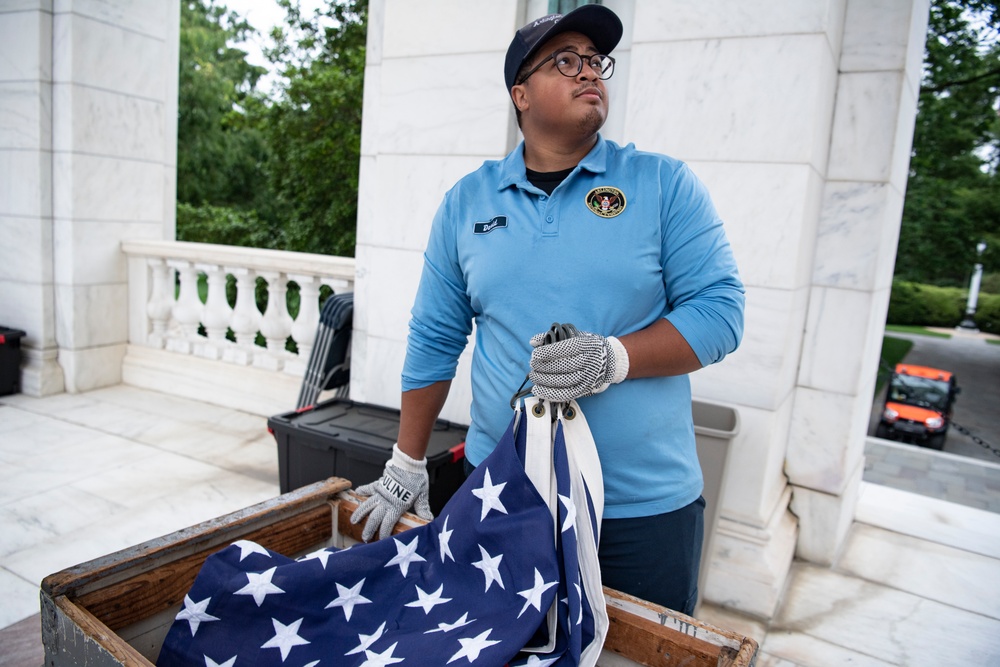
[[588, 59]]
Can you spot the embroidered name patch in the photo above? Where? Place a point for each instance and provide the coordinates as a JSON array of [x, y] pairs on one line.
[[606, 201], [487, 227]]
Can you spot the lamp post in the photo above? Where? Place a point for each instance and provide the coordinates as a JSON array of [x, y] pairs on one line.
[[968, 323]]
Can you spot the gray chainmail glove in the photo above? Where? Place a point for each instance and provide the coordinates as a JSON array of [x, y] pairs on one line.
[[403, 485], [583, 365]]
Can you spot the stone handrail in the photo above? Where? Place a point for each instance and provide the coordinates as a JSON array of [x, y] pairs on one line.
[[165, 317]]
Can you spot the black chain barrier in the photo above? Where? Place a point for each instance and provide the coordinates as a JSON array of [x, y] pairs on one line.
[[975, 438]]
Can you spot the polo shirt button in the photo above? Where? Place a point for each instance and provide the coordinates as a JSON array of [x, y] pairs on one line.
[[548, 219], [542, 198]]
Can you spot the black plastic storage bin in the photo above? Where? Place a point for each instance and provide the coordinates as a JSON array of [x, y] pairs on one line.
[[10, 360], [342, 438]]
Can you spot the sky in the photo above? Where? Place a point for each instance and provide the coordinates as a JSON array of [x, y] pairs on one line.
[[264, 15]]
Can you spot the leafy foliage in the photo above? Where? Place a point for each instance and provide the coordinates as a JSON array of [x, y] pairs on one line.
[[275, 173], [953, 193], [934, 306]]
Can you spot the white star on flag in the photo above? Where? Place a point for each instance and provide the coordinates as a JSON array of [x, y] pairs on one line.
[[247, 547], [322, 556], [489, 493], [443, 540], [348, 597], [405, 554], [448, 627], [194, 613], [472, 647], [533, 596], [428, 601], [311, 664], [579, 595], [285, 637], [535, 661], [259, 586], [367, 640], [570, 506], [490, 565], [381, 659], [212, 663]]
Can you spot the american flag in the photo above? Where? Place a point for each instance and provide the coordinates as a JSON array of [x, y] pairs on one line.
[[492, 581]]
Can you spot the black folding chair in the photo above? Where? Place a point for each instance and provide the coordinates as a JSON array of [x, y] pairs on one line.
[[330, 360]]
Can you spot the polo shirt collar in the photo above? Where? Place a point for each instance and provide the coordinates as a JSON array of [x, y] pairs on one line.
[[514, 173]]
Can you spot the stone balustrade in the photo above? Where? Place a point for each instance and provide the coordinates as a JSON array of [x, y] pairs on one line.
[[178, 301]]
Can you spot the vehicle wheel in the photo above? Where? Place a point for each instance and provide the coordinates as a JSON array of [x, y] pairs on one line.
[[936, 441], [882, 431]]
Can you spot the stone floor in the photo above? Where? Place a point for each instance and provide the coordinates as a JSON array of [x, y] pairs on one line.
[[82, 475]]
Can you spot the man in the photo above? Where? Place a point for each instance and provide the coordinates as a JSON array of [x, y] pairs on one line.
[[624, 245]]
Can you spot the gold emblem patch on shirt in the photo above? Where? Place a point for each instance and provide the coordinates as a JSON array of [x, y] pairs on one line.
[[606, 201]]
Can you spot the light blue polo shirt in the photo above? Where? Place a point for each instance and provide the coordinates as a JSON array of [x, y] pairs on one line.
[[628, 237]]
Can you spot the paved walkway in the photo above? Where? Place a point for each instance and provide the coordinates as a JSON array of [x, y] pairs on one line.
[[957, 479]]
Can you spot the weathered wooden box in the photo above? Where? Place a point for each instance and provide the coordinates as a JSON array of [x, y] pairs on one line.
[[116, 610]]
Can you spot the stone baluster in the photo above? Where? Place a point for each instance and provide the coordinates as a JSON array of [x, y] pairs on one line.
[[161, 301], [306, 323], [276, 324], [216, 313], [245, 319], [187, 310]]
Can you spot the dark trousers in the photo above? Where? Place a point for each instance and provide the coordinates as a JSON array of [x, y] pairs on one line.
[[655, 558]]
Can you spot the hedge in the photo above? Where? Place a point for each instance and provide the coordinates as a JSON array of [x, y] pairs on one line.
[[928, 305]]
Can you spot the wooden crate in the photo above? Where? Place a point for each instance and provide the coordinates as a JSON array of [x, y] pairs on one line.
[[116, 610]]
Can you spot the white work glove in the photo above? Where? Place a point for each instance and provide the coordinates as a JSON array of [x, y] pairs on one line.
[[583, 365], [403, 485]]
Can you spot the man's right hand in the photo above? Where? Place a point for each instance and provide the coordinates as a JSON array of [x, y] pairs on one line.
[[404, 485]]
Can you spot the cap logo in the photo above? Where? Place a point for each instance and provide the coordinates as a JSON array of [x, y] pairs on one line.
[[546, 19], [487, 227], [606, 201]]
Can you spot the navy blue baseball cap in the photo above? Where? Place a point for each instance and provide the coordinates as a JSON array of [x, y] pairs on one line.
[[599, 23]]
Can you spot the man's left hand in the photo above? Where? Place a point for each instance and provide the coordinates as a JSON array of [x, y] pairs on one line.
[[583, 365]]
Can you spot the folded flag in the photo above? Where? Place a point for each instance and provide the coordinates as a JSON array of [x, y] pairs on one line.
[[492, 581]]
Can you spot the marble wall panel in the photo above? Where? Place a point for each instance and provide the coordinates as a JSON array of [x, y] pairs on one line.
[[91, 187], [858, 234], [678, 21], [770, 213], [100, 55], [370, 113], [375, 42], [25, 43], [93, 367], [91, 316], [147, 18], [865, 128], [842, 327], [899, 169], [879, 34], [30, 308], [487, 25], [406, 191], [26, 250], [89, 252], [762, 372], [826, 439], [824, 519], [390, 285], [695, 100], [99, 122], [25, 115], [25, 183], [436, 105]]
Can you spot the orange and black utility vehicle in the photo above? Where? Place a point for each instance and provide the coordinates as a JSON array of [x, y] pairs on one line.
[[918, 406]]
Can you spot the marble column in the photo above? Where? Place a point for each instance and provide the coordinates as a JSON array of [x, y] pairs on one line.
[[91, 131]]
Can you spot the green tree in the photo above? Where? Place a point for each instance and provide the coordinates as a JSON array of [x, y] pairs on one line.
[[952, 198], [313, 128], [219, 151]]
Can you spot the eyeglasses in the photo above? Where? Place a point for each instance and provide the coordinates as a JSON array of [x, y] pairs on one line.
[[570, 63]]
